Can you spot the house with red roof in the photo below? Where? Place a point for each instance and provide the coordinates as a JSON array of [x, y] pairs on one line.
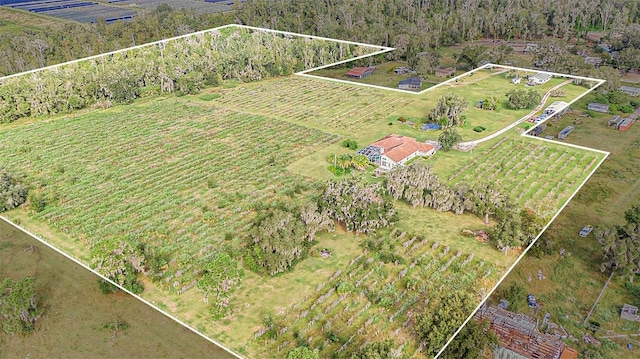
[[394, 150], [361, 72]]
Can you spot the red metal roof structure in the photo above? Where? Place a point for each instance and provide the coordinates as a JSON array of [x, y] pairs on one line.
[[361, 72], [519, 334]]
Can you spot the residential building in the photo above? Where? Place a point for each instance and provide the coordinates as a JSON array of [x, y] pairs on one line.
[[411, 83], [539, 78], [394, 150]]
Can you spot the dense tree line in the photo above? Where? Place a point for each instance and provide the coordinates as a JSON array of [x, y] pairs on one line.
[[412, 26], [12, 192], [71, 41], [361, 208], [420, 186], [181, 66]]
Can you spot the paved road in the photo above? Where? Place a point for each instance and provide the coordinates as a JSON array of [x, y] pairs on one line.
[[527, 116]]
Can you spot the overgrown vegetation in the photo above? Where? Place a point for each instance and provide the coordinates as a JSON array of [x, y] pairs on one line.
[[18, 306], [12, 192]]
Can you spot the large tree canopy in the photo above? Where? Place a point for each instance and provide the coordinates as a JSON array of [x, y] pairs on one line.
[[362, 208], [119, 260], [12, 192], [448, 111]]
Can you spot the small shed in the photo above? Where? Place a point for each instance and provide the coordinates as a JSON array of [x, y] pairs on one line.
[[361, 72], [516, 80], [598, 107], [629, 312], [615, 122], [445, 71], [625, 124], [411, 83], [402, 70], [565, 133], [630, 90], [538, 130]]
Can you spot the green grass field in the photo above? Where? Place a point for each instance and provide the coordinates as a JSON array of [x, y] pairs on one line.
[[18, 22], [75, 312]]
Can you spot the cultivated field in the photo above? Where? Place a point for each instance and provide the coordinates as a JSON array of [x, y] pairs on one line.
[[371, 297], [176, 175], [572, 282], [184, 176], [531, 171]]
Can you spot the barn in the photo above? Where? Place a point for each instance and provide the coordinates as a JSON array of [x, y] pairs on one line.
[[361, 72]]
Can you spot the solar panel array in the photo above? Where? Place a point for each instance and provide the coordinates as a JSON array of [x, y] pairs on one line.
[[77, 10]]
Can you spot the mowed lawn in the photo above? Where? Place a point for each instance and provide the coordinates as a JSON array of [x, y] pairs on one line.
[[76, 312]]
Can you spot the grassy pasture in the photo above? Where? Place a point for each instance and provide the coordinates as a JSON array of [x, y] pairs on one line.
[[75, 312], [17, 22]]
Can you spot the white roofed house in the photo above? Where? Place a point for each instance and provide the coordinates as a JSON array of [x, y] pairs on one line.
[[395, 150], [557, 108], [540, 78]]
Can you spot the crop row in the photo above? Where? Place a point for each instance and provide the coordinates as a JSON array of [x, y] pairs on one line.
[[371, 299], [170, 174]]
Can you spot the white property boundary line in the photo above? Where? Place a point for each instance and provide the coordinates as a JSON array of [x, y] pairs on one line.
[[117, 285], [606, 154], [382, 50]]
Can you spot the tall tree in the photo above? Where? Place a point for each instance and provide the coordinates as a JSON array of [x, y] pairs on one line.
[[448, 111], [437, 323], [221, 276], [471, 55], [119, 260], [449, 138], [474, 341]]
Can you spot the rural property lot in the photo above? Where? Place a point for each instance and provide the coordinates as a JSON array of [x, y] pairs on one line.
[[185, 176]]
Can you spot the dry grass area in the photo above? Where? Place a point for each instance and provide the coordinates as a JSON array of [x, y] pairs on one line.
[[76, 312]]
